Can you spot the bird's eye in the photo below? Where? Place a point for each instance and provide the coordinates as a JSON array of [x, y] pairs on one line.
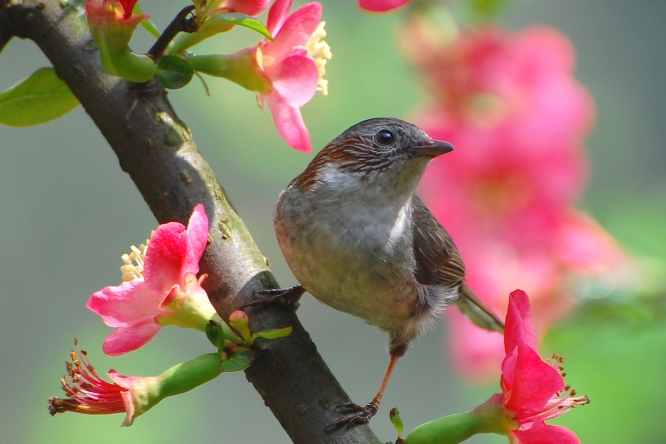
[[384, 137]]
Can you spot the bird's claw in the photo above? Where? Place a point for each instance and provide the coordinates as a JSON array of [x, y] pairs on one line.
[[283, 296], [357, 415]]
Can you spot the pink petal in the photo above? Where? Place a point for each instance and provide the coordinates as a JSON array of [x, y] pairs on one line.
[[166, 257], [197, 233], [534, 381], [295, 32], [519, 325], [289, 123], [249, 7], [126, 304], [295, 79], [277, 15], [126, 339], [542, 433], [381, 5]]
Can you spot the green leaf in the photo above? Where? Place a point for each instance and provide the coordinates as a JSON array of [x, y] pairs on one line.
[[38, 99], [394, 415], [244, 20], [174, 72], [273, 333], [238, 361]]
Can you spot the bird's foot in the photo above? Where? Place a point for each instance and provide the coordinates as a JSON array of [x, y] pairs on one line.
[[357, 415], [284, 296]]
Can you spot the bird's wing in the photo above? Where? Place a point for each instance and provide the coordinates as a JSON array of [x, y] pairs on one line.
[[437, 259], [438, 262]]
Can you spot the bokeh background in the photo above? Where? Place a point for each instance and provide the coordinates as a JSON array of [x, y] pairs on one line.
[[67, 213]]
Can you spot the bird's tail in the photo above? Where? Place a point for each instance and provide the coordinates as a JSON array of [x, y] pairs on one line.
[[477, 312]]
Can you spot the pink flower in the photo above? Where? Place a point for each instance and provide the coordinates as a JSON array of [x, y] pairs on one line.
[[89, 394], [518, 118], [112, 24], [381, 5], [163, 289], [114, 14], [533, 391], [294, 63], [285, 73]]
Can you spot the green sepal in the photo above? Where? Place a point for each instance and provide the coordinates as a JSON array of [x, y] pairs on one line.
[[213, 332], [241, 68], [452, 429], [239, 361], [238, 19], [273, 333], [174, 72], [38, 99], [188, 375]]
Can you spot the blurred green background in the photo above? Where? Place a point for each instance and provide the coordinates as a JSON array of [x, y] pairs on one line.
[[68, 212]]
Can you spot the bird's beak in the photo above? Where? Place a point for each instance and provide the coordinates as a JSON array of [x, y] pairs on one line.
[[433, 148]]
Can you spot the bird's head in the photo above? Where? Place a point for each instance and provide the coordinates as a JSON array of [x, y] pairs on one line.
[[383, 152]]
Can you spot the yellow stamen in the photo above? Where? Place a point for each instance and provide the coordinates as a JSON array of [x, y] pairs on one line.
[[132, 267], [320, 52]]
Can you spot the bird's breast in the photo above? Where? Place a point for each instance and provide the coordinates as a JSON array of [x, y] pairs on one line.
[[352, 254]]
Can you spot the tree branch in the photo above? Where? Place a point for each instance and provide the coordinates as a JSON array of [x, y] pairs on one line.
[[156, 149]]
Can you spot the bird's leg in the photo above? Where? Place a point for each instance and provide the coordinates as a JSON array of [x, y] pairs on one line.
[[285, 296], [361, 415]]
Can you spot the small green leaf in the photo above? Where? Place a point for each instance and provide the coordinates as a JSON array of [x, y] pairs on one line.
[[238, 361], [394, 414], [38, 99], [273, 333], [174, 72], [235, 18]]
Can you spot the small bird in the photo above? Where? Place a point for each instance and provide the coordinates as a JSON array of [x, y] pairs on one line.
[[359, 240]]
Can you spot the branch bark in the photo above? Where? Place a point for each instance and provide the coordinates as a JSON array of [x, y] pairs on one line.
[[156, 149]]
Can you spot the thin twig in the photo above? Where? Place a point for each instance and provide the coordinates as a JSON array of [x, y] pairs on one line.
[[178, 24]]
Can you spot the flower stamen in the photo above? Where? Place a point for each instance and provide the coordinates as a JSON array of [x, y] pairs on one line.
[[321, 53], [133, 262]]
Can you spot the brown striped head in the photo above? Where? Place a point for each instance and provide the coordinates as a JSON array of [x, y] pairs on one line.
[[374, 146]]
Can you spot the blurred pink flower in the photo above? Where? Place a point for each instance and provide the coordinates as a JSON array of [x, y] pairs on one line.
[[381, 5], [294, 63], [162, 290], [518, 118], [533, 391]]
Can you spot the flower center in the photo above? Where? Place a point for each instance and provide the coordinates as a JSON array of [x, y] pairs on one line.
[[132, 267], [320, 52], [561, 402]]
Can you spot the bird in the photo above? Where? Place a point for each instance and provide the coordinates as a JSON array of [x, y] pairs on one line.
[[358, 239]]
